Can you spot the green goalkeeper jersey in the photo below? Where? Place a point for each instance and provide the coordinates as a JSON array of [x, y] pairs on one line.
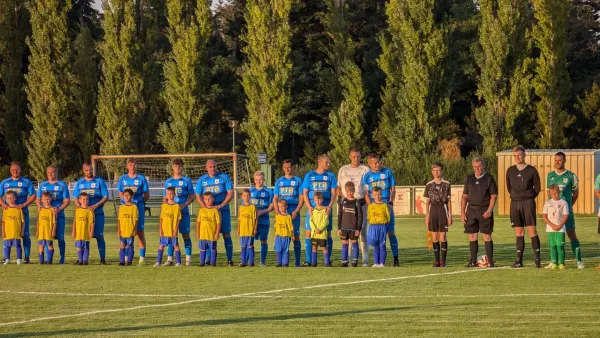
[[567, 182]]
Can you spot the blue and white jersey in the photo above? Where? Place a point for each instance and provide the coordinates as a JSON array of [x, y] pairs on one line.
[[324, 182], [59, 192], [218, 185], [95, 188], [289, 189], [384, 179], [21, 186], [262, 199], [183, 189], [138, 184]]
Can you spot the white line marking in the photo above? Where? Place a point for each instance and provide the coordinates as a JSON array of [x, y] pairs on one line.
[[74, 294], [140, 307], [439, 296]]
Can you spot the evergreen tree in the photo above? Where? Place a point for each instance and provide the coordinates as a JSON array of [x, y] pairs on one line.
[[551, 81], [186, 75], [589, 106], [48, 81], [266, 75], [119, 94], [504, 65]]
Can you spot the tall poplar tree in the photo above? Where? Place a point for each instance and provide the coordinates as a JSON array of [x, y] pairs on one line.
[[266, 75]]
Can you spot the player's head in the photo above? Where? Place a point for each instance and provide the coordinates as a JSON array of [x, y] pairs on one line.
[[373, 162], [51, 173], [208, 198], [323, 162], [246, 195], [177, 166], [46, 198], [211, 168], [88, 171], [282, 204], [318, 198], [259, 179], [436, 170], [170, 194], [478, 164], [519, 154], [11, 197], [350, 188], [355, 157], [286, 165], [131, 165], [83, 199], [376, 194], [554, 190], [559, 160], [127, 195], [15, 169]]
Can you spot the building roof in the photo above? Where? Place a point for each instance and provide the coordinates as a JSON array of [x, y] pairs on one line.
[[552, 151]]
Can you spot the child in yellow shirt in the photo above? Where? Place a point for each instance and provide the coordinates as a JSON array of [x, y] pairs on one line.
[[13, 229], [284, 234], [319, 221], [127, 228], [83, 229], [46, 228], [208, 228], [247, 228], [378, 216]]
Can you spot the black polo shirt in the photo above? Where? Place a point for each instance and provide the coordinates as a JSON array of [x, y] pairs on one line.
[[479, 191], [522, 184]]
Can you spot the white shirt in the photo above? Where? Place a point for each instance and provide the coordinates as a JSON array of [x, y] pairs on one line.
[[555, 211], [354, 175]]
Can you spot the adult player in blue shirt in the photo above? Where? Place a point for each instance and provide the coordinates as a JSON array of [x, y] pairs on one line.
[[25, 196], [262, 198], [325, 182], [383, 178], [60, 201], [96, 189], [289, 188], [219, 184], [184, 196], [139, 185]]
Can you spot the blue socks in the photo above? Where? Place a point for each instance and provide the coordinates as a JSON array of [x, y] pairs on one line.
[[26, 246], [314, 258], [383, 253], [80, 255], [228, 247], [187, 242], [51, 255], [329, 245], [159, 256], [130, 254], [143, 252], [122, 255], [251, 255], [170, 250], [86, 252], [355, 251], [264, 249], [62, 247], [101, 248], [327, 258], [286, 257], [41, 257], [376, 255], [178, 256], [394, 245], [297, 249], [279, 258], [6, 252], [243, 255], [202, 258], [344, 252], [308, 249]]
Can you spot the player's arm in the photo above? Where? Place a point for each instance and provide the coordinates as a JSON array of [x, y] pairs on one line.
[[255, 225], [22, 225], [218, 231], [339, 216], [490, 208], [160, 231], [74, 221], [463, 207], [275, 199], [92, 229], [449, 203], [296, 212], [563, 220], [547, 220], [307, 201], [575, 195], [30, 200], [200, 201], [508, 184], [536, 183], [119, 227], [392, 194], [64, 205], [198, 192], [189, 201], [198, 225], [53, 226], [227, 199], [38, 201], [331, 202], [367, 197]]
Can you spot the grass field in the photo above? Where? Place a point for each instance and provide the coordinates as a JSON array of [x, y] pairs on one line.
[[415, 299]]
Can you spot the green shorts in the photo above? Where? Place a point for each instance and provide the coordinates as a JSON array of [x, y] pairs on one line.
[[570, 225], [556, 238]]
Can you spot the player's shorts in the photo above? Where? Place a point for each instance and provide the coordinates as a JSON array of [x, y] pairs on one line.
[[522, 213], [282, 244], [262, 232], [166, 241], [556, 238], [12, 243], [44, 242], [307, 222], [141, 216], [295, 221], [348, 235], [391, 226], [207, 245], [60, 226], [225, 214], [246, 241], [126, 241], [438, 218], [377, 235], [81, 244], [321, 243], [570, 225], [99, 224], [476, 223], [184, 224]]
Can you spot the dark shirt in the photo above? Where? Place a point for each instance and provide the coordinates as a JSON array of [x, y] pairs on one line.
[[438, 193], [350, 215], [479, 191], [522, 184]]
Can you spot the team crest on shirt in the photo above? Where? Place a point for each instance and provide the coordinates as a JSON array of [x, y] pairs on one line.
[[382, 176], [93, 185], [217, 181], [19, 184], [293, 183], [180, 183], [565, 180], [55, 188], [136, 182], [325, 178]]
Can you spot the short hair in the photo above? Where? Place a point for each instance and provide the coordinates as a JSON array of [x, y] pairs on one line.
[[259, 173], [437, 165], [171, 189], [129, 191], [178, 162], [479, 159], [15, 163], [373, 155], [207, 194], [350, 186], [11, 192], [131, 160], [518, 148], [83, 194], [246, 191], [282, 202], [322, 156], [554, 187], [52, 166], [86, 163], [286, 161], [46, 194], [354, 150], [318, 195], [376, 189], [560, 153]]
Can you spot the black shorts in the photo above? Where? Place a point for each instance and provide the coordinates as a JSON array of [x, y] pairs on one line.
[[348, 235], [522, 213], [438, 218], [476, 223], [321, 243]]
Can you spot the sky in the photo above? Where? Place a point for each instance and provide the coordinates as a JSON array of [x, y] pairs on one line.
[[98, 4]]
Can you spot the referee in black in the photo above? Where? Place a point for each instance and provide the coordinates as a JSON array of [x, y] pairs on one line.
[[523, 184], [477, 205]]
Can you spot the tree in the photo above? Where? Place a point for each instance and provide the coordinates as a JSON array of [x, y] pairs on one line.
[[589, 105], [503, 59], [48, 81], [186, 75], [119, 94], [266, 75], [551, 81]]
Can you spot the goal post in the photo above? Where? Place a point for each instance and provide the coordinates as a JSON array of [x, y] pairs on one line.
[[157, 169]]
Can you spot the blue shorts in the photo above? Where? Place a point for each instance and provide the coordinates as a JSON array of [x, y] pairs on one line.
[[246, 241], [127, 241], [166, 241], [60, 226], [184, 224], [377, 235], [99, 224], [204, 245], [44, 242], [307, 222], [295, 221], [282, 244], [141, 216], [81, 244], [262, 232], [12, 243], [392, 224], [225, 220], [26, 216]]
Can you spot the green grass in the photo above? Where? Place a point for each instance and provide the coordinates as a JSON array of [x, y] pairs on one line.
[[414, 299]]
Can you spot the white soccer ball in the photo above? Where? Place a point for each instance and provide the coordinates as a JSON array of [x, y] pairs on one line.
[[482, 261]]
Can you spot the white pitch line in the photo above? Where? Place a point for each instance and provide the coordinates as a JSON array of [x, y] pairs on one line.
[[140, 307], [74, 294], [509, 295]]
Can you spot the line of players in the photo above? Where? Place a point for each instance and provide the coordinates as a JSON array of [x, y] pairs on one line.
[[476, 208]]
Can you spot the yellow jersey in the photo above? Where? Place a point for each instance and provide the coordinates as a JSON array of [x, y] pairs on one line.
[[170, 215], [246, 220], [84, 218], [128, 217], [378, 213], [46, 222], [208, 219], [319, 220], [13, 220], [283, 225]]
